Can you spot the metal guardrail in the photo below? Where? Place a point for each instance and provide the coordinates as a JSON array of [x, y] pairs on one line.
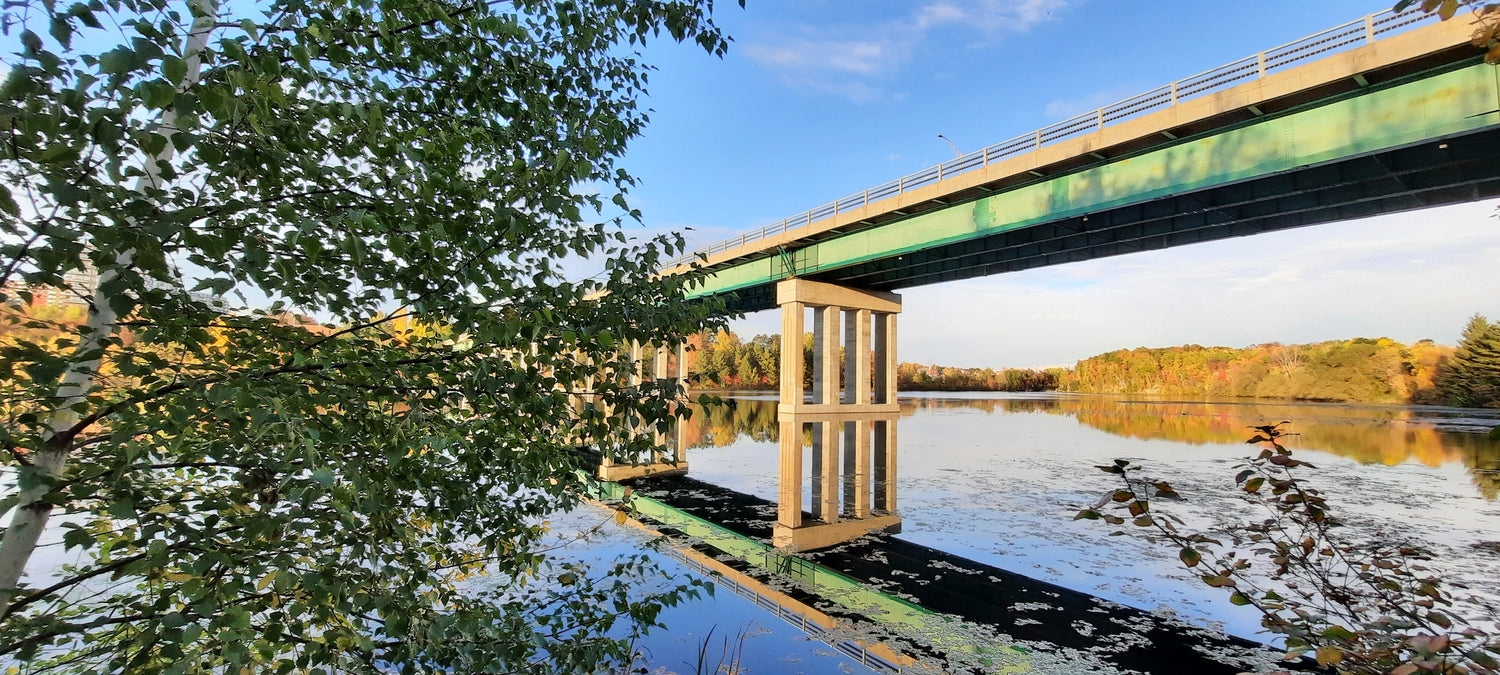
[[850, 648], [1339, 38]]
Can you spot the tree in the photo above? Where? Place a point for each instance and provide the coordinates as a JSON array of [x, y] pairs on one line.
[[1486, 16], [248, 491], [1472, 376], [1368, 607]]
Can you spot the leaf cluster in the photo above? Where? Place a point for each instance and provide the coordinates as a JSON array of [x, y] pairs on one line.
[[1486, 16], [257, 490], [1353, 606]]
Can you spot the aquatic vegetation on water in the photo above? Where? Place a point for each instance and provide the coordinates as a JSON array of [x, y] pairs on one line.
[[1359, 606]]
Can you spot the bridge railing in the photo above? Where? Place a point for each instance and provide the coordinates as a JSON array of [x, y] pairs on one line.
[[1339, 38]]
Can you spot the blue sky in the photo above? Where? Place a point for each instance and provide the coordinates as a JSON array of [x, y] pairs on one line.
[[821, 98]]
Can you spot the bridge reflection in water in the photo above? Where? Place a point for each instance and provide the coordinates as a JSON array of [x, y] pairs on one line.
[[1061, 627]]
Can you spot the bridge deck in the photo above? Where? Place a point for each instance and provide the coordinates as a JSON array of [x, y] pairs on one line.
[[1335, 138]]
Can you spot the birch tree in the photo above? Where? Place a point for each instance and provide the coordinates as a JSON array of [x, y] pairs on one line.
[[250, 489]]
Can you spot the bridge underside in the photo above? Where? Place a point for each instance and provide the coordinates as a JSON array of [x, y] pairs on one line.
[[1459, 169], [1428, 139], [1399, 180]]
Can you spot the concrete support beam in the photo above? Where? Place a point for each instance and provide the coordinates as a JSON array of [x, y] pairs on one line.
[[857, 475], [832, 534], [885, 466], [789, 495], [791, 353], [826, 355], [679, 435], [826, 438], [819, 294], [857, 357], [618, 472], [885, 358]]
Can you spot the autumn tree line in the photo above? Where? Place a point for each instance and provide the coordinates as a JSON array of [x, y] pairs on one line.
[[724, 361], [1374, 370]]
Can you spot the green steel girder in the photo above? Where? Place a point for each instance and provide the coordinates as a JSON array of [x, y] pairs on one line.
[[1375, 152], [1470, 172]]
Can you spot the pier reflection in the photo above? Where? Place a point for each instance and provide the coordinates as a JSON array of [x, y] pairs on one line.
[[851, 474], [1387, 435]]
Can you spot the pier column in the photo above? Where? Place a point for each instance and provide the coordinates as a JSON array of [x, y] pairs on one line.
[[885, 357], [668, 455], [853, 441], [789, 497], [857, 433], [679, 429], [659, 374], [885, 465]]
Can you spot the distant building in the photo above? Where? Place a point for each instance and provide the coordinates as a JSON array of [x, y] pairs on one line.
[[79, 286], [77, 289]]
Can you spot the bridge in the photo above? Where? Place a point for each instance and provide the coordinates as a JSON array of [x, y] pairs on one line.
[[1391, 112]]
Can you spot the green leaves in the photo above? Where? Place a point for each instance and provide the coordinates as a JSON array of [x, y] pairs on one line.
[[119, 61], [1218, 580], [1368, 607], [411, 178]]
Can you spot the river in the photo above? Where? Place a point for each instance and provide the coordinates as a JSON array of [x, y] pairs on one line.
[[997, 477]]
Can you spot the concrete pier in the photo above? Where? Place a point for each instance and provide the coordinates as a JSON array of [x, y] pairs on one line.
[[669, 456], [851, 421]]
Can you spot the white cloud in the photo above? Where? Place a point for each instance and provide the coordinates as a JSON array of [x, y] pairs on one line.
[[850, 60], [861, 57], [1061, 109], [989, 16]]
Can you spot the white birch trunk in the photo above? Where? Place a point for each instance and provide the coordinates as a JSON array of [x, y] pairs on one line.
[[32, 510]]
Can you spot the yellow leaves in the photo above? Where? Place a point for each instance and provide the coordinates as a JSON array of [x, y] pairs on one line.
[[1328, 655], [620, 517], [266, 580], [176, 576]]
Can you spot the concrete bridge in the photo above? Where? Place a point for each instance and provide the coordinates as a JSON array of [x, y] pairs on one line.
[[1391, 112], [1388, 113]]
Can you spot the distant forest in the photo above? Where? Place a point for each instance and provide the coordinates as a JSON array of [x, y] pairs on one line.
[[1373, 370], [724, 361], [1362, 369]]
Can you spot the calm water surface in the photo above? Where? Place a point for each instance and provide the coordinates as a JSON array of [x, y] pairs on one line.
[[997, 478]]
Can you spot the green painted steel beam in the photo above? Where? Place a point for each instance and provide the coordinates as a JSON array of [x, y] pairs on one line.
[[881, 608], [1434, 107]]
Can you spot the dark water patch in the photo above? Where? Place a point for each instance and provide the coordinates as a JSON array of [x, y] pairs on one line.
[[1047, 618]]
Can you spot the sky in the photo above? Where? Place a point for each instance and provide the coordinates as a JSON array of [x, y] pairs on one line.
[[818, 99]]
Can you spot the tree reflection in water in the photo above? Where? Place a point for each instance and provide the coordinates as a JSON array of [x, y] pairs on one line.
[[1370, 434]]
